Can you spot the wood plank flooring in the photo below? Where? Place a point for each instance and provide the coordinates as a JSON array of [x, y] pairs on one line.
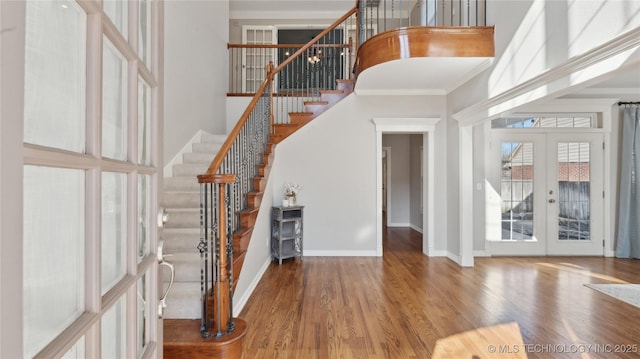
[[406, 305]]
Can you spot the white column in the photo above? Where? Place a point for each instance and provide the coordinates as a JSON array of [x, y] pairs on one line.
[[466, 195]]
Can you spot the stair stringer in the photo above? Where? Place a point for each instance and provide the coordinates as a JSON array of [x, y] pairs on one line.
[[313, 109], [258, 254]]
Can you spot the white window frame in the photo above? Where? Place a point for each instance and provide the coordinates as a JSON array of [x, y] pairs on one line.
[[15, 155]]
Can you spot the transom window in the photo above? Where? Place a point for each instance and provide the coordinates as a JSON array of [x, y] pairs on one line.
[[567, 120]]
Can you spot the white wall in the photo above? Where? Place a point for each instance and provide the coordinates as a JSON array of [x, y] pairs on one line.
[[399, 188], [196, 35], [258, 255], [334, 158]]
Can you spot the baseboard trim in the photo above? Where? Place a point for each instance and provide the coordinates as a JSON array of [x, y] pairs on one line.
[[330, 253], [238, 305], [416, 228], [454, 257], [399, 225], [481, 253], [437, 253]]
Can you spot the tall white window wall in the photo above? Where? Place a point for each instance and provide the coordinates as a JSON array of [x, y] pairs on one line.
[[90, 179]]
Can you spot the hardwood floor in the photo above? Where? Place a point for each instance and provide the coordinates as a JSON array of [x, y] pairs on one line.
[[406, 305]]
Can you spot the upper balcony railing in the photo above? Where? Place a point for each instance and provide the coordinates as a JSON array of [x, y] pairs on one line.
[[382, 15], [333, 56]]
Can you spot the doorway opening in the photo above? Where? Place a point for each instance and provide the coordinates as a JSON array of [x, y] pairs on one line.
[[402, 187], [423, 129]]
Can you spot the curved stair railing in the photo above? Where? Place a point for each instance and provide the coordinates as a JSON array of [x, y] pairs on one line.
[[231, 189]]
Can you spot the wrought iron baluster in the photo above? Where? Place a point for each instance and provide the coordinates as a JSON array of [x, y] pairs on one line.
[[203, 249]]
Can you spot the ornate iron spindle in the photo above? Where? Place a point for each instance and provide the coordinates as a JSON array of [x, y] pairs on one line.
[[203, 249]]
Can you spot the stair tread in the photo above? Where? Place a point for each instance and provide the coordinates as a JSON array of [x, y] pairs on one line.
[[284, 125], [323, 103]]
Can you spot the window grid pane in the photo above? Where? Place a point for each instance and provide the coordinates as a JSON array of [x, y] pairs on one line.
[[114, 103], [517, 191], [114, 228], [55, 70], [54, 226], [144, 216], [144, 122], [573, 191], [143, 313], [560, 121], [144, 31], [77, 351], [114, 331]]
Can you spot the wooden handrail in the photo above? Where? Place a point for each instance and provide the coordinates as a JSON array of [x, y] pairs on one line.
[[282, 46], [314, 40], [217, 161]]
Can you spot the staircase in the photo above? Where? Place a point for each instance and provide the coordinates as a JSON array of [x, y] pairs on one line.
[[181, 201], [181, 237], [313, 109], [181, 234]]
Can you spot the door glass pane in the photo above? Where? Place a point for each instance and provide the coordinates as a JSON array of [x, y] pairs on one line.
[[54, 217], [559, 121], [517, 190], [114, 331], [77, 351], [144, 31], [117, 11], [144, 215], [114, 228], [114, 103], [573, 191], [55, 68], [144, 123], [143, 313]]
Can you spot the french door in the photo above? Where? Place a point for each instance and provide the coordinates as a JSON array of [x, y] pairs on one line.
[[548, 191]]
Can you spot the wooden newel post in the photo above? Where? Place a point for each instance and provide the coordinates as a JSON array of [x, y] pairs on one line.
[[218, 299]]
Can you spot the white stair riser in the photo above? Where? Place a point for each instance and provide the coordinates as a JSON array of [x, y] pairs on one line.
[[183, 219], [186, 265], [209, 138], [180, 240], [206, 147], [181, 200], [189, 170], [183, 302], [194, 157], [187, 184]]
